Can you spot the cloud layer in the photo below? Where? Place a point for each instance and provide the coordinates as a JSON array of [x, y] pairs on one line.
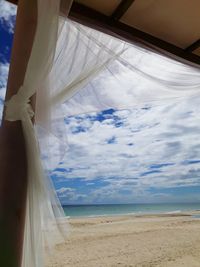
[[7, 15], [4, 67], [7, 22], [133, 155], [146, 154]]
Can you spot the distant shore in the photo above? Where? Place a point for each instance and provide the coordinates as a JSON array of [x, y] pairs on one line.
[[160, 240]]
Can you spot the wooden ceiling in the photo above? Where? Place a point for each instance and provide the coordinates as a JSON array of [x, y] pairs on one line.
[[169, 26]]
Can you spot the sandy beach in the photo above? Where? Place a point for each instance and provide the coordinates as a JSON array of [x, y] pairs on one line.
[[168, 240]]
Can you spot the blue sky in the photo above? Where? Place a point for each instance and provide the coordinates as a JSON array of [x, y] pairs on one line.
[[146, 154]]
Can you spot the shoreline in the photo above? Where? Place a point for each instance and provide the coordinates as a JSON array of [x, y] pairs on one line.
[[140, 214]]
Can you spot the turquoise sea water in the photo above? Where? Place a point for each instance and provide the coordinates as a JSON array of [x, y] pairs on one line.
[[117, 209]]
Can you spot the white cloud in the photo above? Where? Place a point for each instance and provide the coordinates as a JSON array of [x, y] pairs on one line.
[[146, 138], [69, 195], [161, 127], [65, 190], [7, 15], [161, 132], [7, 20], [4, 68]]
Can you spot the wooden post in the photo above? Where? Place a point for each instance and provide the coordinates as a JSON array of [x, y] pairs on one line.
[[13, 163]]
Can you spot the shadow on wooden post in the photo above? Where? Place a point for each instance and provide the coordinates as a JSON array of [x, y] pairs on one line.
[[13, 163]]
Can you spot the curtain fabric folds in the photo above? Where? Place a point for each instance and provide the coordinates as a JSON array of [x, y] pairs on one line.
[[73, 70]]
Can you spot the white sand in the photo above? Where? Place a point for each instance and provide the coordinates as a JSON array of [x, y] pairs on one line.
[[145, 241]]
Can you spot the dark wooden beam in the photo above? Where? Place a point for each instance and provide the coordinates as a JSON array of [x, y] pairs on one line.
[[193, 46], [65, 5], [121, 9], [98, 21], [13, 1]]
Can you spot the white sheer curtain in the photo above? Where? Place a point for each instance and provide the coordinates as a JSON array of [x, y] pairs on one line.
[[73, 70], [93, 71], [43, 207]]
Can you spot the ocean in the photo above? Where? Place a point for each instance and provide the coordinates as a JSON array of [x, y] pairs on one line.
[[120, 209]]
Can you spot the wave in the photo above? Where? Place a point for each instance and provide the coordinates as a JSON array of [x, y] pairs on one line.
[[173, 212]]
